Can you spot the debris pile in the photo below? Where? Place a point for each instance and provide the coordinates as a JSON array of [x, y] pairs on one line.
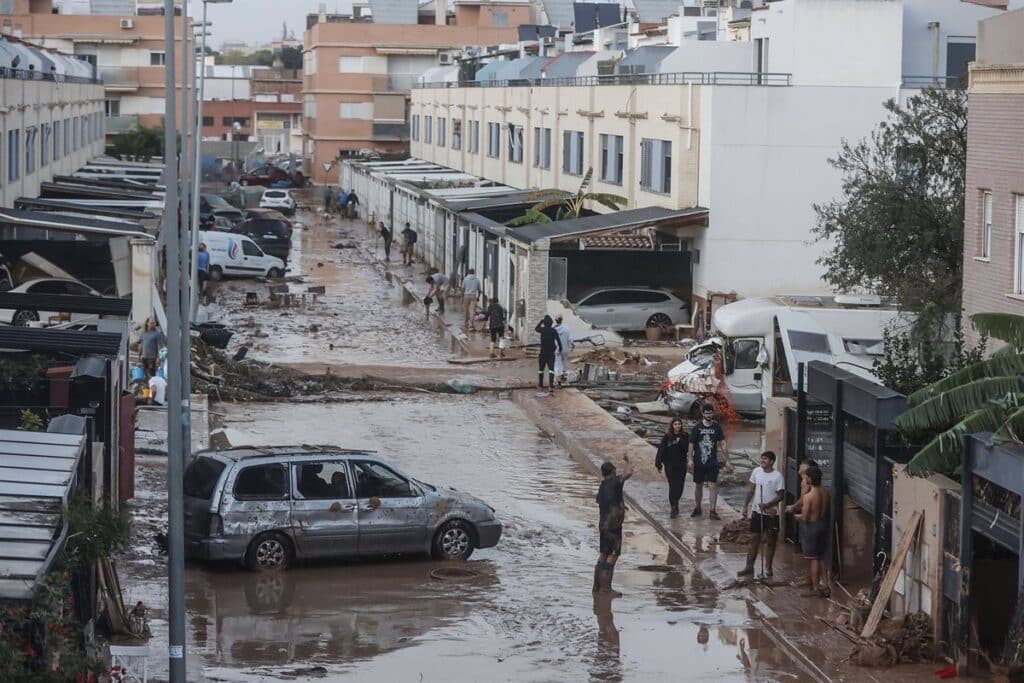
[[898, 641], [736, 531]]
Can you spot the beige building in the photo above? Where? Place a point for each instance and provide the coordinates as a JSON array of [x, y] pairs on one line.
[[358, 71], [994, 201], [127, 49]]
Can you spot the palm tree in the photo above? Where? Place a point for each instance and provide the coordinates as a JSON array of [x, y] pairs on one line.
[[984, 397], [569, 205]]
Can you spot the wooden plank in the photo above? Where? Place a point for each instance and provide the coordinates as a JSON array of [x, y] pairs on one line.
[[889, 582]]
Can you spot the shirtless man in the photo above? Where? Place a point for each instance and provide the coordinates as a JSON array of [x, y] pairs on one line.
[[814, 526]]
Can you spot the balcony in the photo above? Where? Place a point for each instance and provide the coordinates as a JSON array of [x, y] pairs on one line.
[[396, 83], [121, 124], [682, 78], [392, 132], [124, 78]]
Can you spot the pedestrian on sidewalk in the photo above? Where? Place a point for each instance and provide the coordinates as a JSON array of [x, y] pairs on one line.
[[470, 296], [550, 344], [562, 357], [707, 441], [672, 457], [797, 507], [409, 244], [496, 325], [814, 528], [150, 342], [768, 488], [202, 268], [438, 285], [612, 506], [385, 233], [351, 202]]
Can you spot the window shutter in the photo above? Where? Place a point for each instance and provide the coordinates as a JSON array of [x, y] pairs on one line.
[[645, 164], [566, 151]]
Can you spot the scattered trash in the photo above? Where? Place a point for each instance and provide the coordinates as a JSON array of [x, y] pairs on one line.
[[623, 410], [252, 299], [460, 387], [240, 353], [736, 531], [898, 641]]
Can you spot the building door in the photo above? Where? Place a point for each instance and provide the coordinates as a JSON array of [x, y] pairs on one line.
[[558, 278]]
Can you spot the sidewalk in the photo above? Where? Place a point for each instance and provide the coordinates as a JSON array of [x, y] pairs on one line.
[[790, 617]]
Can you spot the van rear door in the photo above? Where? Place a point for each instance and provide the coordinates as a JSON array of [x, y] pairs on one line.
[[200, 488]]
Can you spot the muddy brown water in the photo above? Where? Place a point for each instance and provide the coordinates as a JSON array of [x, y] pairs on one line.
[[527, 614]]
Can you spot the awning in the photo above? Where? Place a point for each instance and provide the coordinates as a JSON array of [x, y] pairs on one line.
[[409, 51], [629, 241], [81, 342], [609, 222], [100, 38], [69, 303], [62, 223], [37, 472]]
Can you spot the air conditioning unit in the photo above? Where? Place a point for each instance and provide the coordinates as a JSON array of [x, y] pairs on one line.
[[445, 58], [127, 23]]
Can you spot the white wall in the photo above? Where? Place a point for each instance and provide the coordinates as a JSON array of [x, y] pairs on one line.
[[763, 166], [710, 55], [958, 22]]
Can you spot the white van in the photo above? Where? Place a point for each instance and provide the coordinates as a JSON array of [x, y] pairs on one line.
[[759, 344], [234, 255]]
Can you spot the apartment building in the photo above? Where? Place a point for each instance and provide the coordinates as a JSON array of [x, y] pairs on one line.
[[123, 39], [994, 201], [265, 102], [359, 68], [51, 119], [687, 126]]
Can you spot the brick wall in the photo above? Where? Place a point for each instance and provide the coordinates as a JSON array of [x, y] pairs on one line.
[[536, 294], [995, 162]]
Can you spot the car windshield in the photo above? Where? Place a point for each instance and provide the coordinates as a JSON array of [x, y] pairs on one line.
[[703, 356], [274, 194], [218, 201]]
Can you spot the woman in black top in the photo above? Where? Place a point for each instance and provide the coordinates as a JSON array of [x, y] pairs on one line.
[[672, 457]]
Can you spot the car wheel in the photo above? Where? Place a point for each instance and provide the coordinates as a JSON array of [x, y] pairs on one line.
[[274, 273], [216, 274], [453, 541], [23, 317], [269, 552], [659, 320]]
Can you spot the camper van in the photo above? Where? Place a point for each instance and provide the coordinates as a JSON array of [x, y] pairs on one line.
[[757, 345], [234, 255]]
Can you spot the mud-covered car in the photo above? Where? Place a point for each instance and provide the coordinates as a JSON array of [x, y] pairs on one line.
[[268, 506]]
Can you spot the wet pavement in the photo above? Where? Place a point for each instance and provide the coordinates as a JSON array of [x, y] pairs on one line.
[[528, 615]]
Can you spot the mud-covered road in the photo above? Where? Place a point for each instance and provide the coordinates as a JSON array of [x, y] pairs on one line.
[[528, 616]]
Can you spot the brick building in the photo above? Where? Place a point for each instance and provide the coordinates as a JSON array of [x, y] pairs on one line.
[[994, 201]]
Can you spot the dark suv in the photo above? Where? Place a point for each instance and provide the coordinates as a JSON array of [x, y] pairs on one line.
[[212, 206], [271, 235]]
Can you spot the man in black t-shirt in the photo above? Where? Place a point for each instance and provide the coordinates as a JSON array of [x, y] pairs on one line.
[[496, 325], [612, 506], [706, 441]]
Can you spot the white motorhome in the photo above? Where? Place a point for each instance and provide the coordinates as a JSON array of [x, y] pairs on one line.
[[758, 344]]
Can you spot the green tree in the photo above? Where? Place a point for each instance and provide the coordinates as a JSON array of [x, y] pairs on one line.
[[897, 230], [291, 57], [140, 144], [570, 204]]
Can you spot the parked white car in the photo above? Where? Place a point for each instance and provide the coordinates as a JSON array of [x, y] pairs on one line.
[[631, 308], [49, 285], [234, 255], [281, 200]]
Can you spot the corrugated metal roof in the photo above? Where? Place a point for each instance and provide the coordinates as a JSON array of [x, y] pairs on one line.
[[37, 471], [68, 206], [83, 189], [617, 220], [81, 342], [42, 220], [635, 242], [96, 305]]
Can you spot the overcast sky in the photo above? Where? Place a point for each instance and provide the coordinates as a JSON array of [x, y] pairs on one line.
[[258, 21]]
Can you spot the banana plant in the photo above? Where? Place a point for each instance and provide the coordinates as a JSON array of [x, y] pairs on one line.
[[570, 205], [983, 397]]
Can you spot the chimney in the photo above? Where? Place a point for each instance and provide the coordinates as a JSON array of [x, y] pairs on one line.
[[441, 12]]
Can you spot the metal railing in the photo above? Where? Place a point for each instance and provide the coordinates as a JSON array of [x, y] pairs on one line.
[[394, 82], [120, 75], [680, 78], [34, 75], [940, 82]]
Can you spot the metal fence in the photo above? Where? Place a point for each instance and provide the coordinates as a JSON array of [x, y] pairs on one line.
[[940, 82], [680, 78], [34, 75]]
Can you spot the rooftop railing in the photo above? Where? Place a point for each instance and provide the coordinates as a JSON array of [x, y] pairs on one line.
[[35, 75], [681, 78], [939, 82]]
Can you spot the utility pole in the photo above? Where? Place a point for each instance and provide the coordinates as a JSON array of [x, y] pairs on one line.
[[197, 159], [184, 295], [172, 244]]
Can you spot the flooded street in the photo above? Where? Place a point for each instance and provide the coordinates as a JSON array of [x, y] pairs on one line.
[[527, 614]]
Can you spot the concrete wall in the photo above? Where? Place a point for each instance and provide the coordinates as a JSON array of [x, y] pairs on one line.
[[30, 104], [999, 39], [924, 48]]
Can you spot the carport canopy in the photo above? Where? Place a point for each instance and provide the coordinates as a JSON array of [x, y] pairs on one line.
[[575, 228]]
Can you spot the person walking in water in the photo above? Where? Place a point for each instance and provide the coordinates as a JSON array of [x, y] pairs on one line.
[[496, 325], [562, 357], [769, 490], [814, 528], [612, 507], [707, 440], [385, 233], [672, 458], [470, 297], [550, 344]]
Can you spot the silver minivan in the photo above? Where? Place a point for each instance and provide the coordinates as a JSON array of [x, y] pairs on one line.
[[268, 506]]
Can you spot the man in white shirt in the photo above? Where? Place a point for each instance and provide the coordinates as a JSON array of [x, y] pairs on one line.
[[768, 489], [158, 390], [562, 357], [470, 297]]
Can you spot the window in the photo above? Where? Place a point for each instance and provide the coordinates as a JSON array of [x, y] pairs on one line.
[[56, 141], [474, 137], [157, 59], [322, 480], [357, 110], [207, 121], [442, 131], [572, 152], [13, 155], [74, 133], [656, 165], [986, 225], [309, 106], [494, 140], [201, 477], [262, 482], [414, 128], [744, 354], [611, 159], [30, 149], [44, 145], [309, 62], [229, 121], [374, 479], [250, 249], [350, 65], [428, 129], [456, 134], [542, 147], [67, 137], [1018, 266], [811, 342], [515, 144]]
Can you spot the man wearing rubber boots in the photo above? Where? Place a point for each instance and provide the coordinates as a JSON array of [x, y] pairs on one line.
[[612, 505]]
